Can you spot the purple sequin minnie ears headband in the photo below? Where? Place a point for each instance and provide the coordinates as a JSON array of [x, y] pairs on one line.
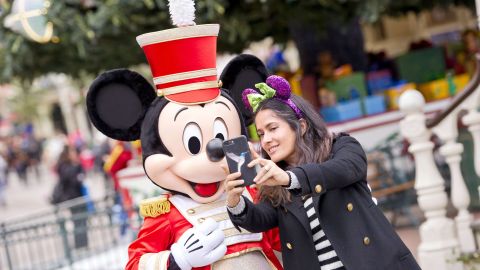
[[275, 87]]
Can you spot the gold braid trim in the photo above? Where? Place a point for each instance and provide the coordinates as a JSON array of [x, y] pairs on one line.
[[162, 260], [154, 207], [245, 251], [143, 260]]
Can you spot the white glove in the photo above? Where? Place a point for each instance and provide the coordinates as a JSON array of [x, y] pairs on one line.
[[199, 246]]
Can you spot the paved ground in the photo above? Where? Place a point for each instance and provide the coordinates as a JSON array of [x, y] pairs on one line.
[[23, 200], [411, 238], [28, 200]]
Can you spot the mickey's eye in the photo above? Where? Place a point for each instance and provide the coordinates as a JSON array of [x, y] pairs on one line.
[[220, 129], [192, 138]]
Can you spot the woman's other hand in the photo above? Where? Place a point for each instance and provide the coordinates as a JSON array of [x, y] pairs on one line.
[[234, 188], [270, 174]]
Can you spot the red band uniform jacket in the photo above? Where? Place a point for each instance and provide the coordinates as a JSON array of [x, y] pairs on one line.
[[160, 231]]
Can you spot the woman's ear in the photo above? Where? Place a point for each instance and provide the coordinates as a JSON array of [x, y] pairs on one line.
[[303, 125], [243, 71], [117, 101]]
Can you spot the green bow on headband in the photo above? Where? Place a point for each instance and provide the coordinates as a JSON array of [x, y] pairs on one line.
[[256, 99]]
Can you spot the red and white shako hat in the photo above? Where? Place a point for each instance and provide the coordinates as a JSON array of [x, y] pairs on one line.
[[183, 59]]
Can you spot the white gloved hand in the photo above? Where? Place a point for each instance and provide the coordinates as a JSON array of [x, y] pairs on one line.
[[199, 246]]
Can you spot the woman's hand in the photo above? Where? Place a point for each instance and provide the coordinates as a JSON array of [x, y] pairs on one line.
[[270, 174], [234, 188]]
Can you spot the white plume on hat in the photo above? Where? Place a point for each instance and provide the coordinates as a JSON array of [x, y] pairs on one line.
[[182, 12]]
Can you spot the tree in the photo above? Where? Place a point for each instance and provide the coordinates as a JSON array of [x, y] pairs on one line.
[[92, 38], [24, 105]]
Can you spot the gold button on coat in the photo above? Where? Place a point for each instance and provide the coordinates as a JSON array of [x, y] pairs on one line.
[[318, 188], [366, 240], [289, 246], [201, 220], [191, 211], [350, 207]]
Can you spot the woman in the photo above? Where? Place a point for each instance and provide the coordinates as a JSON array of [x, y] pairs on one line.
[[312, 185], [69, 186]]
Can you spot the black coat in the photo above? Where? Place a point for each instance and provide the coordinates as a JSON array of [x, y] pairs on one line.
[[359, 232], [69, 185]]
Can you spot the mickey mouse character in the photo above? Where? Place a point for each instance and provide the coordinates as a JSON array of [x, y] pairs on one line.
[[181, 125]]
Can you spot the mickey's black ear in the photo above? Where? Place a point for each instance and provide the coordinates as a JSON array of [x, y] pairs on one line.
[[117, 101], [243, 71]]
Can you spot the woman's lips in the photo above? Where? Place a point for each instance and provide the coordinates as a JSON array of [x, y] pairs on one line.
[[272, 149]]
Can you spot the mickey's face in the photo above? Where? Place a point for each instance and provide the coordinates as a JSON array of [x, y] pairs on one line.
[[185, 131], [123, 105]]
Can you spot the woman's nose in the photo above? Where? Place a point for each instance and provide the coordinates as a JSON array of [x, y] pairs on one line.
[[266, 138], [215, 150]]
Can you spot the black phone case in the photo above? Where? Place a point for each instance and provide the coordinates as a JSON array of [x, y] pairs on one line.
[[237, 151]]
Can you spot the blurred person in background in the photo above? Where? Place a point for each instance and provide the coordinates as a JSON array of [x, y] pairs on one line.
[[55, 146], [21, 165], [29, 156], [471, 45], [87, 159], [34, 150], [70, 183], [4, 151], [76, 140], [117, 160], [101, 149], [3, 178]]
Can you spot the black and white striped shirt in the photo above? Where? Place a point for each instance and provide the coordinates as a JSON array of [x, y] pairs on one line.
[[326, 254]]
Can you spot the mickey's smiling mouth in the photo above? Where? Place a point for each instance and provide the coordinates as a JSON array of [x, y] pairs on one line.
[[205, 190]]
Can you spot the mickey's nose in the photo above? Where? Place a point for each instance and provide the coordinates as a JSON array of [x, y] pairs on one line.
[[215, 150]]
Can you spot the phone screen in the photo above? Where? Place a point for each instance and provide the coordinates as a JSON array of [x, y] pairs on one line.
[[238, 156]]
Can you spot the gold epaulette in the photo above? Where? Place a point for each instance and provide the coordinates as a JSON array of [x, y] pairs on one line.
[[154, 207]]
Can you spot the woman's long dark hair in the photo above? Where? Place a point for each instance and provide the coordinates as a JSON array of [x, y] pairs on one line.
[[312, 147]]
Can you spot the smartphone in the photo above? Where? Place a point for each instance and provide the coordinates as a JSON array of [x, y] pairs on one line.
[[238, 156]]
